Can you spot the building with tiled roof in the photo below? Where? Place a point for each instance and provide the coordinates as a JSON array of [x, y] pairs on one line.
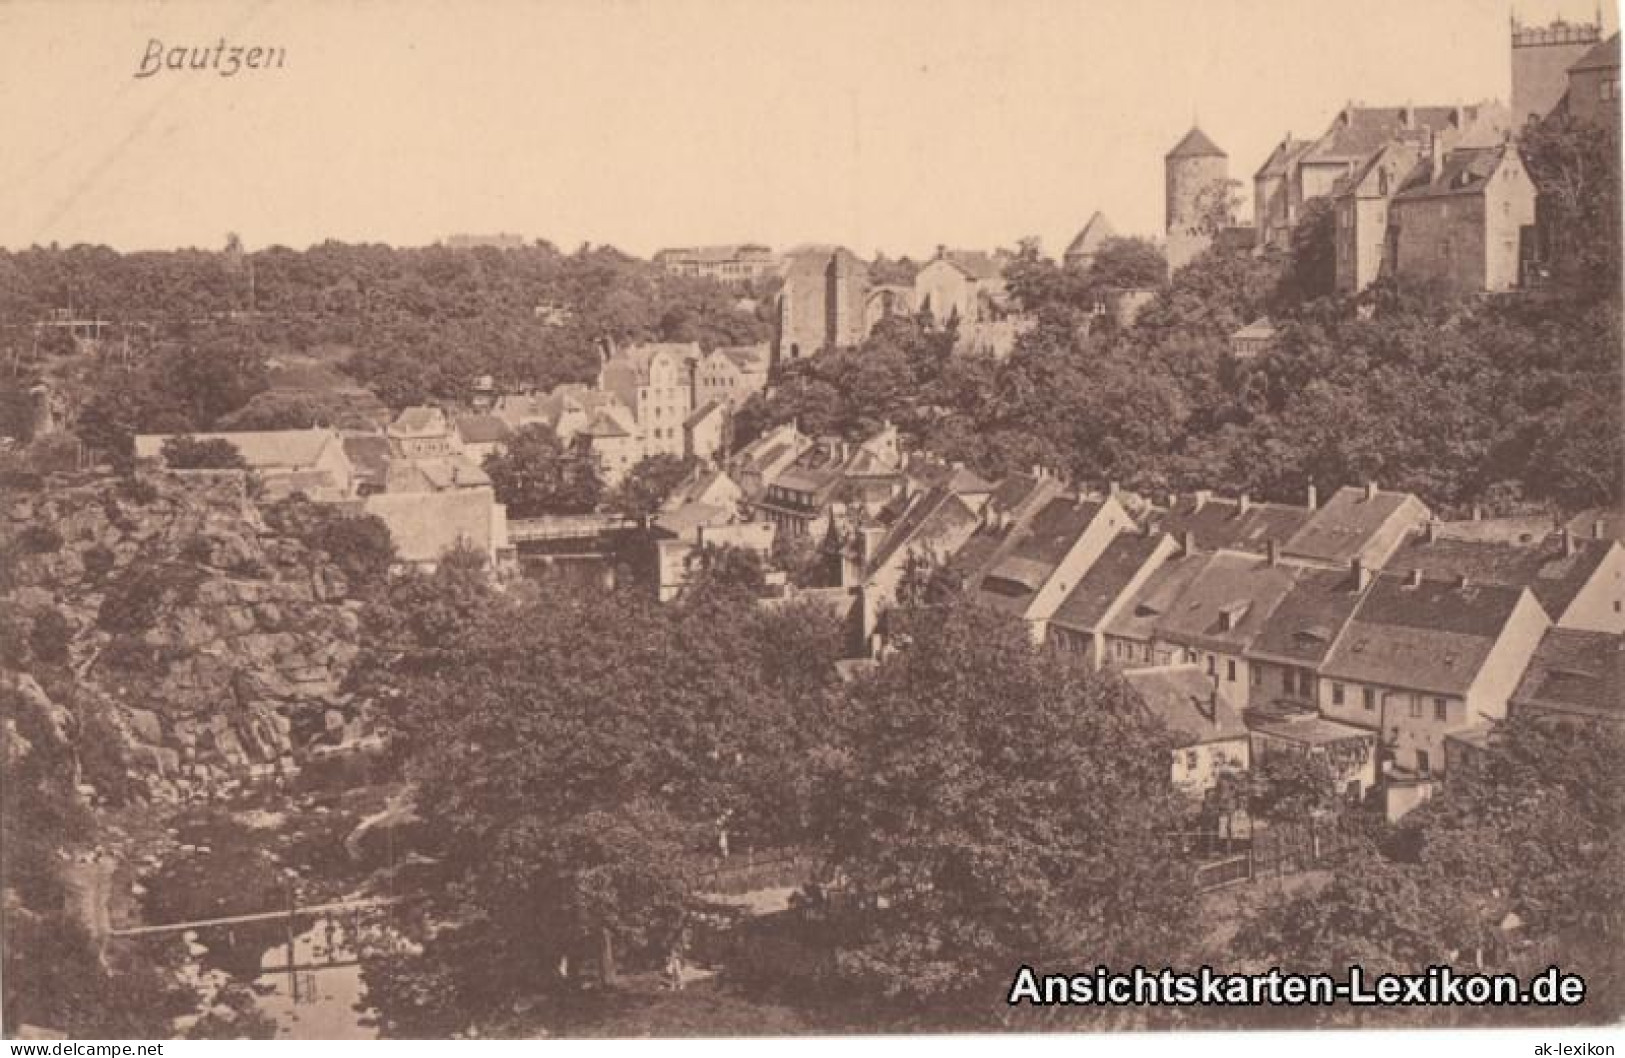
[[964, 286], [1350, 752], [1253, 340], [731, 374], [1040, 560], [1541, 57], [369, 455], [653, 381], [832, 472], [1356, 523], [1579, 582], [1423, 658], [932, 528], [311, 461], [480, 436], [442, 473], [731, 263], [1574, 675], [1079, 623], [1209, 738], [1361, 200], [1593, 85], [1285, 657], [1081, 251], [1220, 612], [766, 457], [1276, 194], [705, 431], [1130, 633], [1206, 522], [1599, 523], [1466, 221]]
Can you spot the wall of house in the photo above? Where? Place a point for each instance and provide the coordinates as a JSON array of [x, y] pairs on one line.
[[946, 291], [1316, 180], [1541, 57], [1230, 670], [1498, 679], [662, 406], [1269, 682], [1110, 520], [615, 456], [1509, 207], [702, 439], [1594, 96], [1600, 606], [1197, 768], [336, 465], [1362, 235], [1441, 239]]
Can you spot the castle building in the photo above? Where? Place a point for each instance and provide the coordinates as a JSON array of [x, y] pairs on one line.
[[1194, 172], [655, 382], [1593, 90], [1468, 221], [1081, 251], [962, 286], [1541, 59], [822, 303]]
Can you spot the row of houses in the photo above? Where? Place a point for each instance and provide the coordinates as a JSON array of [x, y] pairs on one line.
[[421, 476], [1362, 628], [649, 399]]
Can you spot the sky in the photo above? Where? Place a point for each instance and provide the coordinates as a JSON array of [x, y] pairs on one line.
[[885, 125]]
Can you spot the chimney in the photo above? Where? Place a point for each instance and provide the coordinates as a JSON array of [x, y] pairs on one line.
[[1187, 542], [1430, 532], [1038, 471], [1361, 575], [1202, 496], [1272, 552], [942, 251], [1566, 538], [1244, 503], [1173, 501], [1415, 579], [1371, 490], [1462, 581], [1313, 501], [1597, 528], [1478, 512], [1112, 489]]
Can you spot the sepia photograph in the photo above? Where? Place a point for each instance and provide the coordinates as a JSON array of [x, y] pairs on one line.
[[684, 520]]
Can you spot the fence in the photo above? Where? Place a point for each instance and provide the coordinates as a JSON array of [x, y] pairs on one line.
[[1277, 850]]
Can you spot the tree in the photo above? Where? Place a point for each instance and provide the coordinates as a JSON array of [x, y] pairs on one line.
[[190, 453], [534, 475], [1128, 263], [999, 805], [1575, 164], [1313, 271], [645, 487]]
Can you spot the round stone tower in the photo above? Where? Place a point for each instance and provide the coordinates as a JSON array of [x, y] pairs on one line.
[[1190, 170]]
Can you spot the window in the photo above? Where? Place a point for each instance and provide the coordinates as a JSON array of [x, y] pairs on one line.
[[1441, 710], [1230, 671], [1416, 708], [1337, 694], [1212, 665], [1306, 683], [1286, 680], [1423, 765], [1190, 760], [1368, 696]]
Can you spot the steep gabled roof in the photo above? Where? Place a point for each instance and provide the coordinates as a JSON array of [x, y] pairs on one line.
[[1220, 524], [1433, 637], [1281, 158], [1553, 576], [260, 449], [1310, 617], [1089, 240], [1184, 699], [1604, 55], [1157, 596], [1349, 521], [1463, 172], [1227, 603], [1106, 580], [482, 429], [1575, 672], [1032, 551], [1196, 144], [934, 515]]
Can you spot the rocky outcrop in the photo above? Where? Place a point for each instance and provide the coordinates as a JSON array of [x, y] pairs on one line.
[[221, 645]]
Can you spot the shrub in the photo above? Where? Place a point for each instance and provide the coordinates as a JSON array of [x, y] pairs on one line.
[[98, 561], [50, 636], [40, 540], [189, 453], [136, 597]]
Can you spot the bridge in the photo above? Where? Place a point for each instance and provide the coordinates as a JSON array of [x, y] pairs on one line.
[[567, 528]]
